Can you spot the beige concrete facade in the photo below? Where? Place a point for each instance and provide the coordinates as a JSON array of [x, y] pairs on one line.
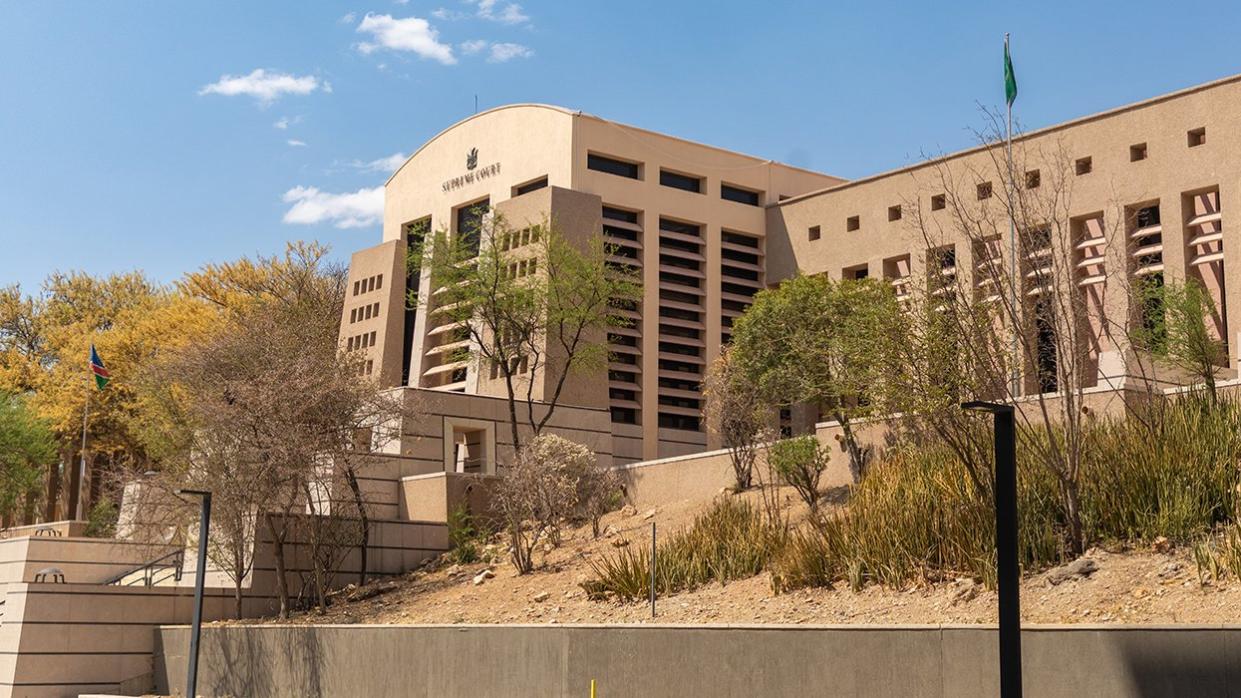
[[1148, 192], [701, 253]]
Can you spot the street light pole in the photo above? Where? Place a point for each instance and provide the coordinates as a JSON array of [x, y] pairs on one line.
[[1007, 568], [204, 525]]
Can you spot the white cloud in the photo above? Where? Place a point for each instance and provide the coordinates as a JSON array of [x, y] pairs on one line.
[[501, 53], [508, 13], [264, 86], [387, 165], [443, 13], [296, 143], [282, 123], [473, 46], [407, 34], [358, 209], [348, 18]]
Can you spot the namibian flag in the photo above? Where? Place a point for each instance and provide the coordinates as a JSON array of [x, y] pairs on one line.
[[96, 367]]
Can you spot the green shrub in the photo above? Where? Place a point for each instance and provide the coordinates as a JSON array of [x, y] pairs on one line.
[[729, 541], [916, 518], [101, 521], [466, 536], [799, 462], [1176, 478]]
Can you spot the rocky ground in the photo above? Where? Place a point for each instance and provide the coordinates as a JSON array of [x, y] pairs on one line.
[[1118, 586]]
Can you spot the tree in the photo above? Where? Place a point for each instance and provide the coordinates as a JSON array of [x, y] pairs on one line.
[[44, 343], [1177, 332], [800, 462], [1040, 294], [736, 414], [531, 304], [930, 372], [546, 485], [269, 408], [27, 445], [823, 342]]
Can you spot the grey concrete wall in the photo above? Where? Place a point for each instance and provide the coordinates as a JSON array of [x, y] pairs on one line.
[[655, 661]]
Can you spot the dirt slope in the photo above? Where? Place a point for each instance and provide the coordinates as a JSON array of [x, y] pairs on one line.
[[1128, 587]]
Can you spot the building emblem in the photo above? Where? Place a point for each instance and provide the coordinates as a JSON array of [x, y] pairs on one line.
[[471, 159]]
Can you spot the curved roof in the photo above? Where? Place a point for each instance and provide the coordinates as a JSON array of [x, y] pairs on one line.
[[432, 139]]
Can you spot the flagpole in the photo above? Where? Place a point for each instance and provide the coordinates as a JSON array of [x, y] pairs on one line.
[[77, 514], [1012, 244]]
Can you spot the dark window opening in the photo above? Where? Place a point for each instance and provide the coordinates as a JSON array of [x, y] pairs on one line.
[[853, 223], [1083, 166], [1034, 178], [739, 256], [938, 202], [530, 186], [624, 415], [1137, 152], [470, 224], [680, 181], [620, 168], [1147, 216], [617, 214], [739, 239], [679, 227], [735, 273], [1045, 342], [678, 421], [815, 232], [679, 367], [677, 331], [738, 289], [741, 196], [678, 314]]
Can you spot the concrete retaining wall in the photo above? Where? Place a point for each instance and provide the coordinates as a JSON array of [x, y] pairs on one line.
[[655, 661]]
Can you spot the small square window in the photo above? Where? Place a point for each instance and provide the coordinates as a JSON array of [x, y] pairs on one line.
[[1033, 179], [894, 213], [1137, 152], [938, 202], [1083, 166], [815, 232], [984, 191], [852, 223], [1197, 137]]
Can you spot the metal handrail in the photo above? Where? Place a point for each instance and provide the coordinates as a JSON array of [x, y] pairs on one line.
[[174, 561]]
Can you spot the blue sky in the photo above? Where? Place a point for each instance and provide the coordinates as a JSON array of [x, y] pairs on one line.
[[138, 135]]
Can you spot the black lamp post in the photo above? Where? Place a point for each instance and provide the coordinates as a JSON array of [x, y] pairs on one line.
[[204, 525], [1008, 572]]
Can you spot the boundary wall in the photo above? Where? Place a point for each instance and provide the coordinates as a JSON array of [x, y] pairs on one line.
[[673, 661]]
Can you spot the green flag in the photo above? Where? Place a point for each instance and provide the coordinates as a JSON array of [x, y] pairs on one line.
[[1010, 78]]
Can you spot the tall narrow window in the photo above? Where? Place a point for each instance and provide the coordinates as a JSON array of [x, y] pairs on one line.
[[470, 223]]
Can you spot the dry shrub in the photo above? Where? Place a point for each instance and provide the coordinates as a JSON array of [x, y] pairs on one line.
[[553, 480]]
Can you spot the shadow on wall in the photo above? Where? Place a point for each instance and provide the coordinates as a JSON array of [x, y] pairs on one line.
[[1162, 665]]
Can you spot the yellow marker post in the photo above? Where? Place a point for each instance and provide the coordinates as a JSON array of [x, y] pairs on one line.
[[592, 688]]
